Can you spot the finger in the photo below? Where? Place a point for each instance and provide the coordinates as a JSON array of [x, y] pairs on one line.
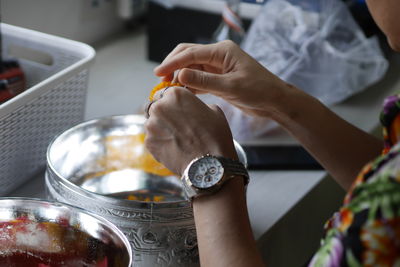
[[193, 90], [192, 55], [176, 74], [179, 48], [162, 92], [159, 94], [172, 77], [156, 134], [168, 77], [156, 130], [203, 81], [147, 108], [175, 102]]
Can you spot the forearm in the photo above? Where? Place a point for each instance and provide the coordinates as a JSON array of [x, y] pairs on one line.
[[223, 229], [341, 148]]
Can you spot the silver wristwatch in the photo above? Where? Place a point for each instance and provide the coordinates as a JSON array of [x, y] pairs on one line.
[[206, 175]]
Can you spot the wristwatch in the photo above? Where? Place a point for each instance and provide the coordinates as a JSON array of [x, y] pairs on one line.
[[206, 175]]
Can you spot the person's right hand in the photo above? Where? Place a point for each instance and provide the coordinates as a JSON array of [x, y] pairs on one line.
[[224, 70]]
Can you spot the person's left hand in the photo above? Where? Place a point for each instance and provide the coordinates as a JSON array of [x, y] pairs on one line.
[[181, 128]]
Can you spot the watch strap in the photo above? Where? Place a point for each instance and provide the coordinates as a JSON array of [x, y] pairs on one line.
[[234, 167]]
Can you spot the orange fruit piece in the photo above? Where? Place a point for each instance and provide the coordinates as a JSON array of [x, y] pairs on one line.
[[160, 86], [128, 151]]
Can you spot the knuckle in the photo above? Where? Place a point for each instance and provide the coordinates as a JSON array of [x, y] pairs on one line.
[[203, 78], [178, 93], [179, 96], [228, 43], [178, 90], [191, 49], [148, 141], [150, 127], [150, 146], [181, 46], [192, 53], [184, 45], [157, 109], [185, 76], [234, 80]]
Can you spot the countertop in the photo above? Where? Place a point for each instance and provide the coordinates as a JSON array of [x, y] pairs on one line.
[[287, 209]]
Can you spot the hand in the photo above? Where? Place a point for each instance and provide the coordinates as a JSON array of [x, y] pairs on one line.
[[181, 127], [223, 69]]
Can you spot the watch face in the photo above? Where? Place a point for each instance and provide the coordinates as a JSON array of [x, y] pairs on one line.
[[205, 172]]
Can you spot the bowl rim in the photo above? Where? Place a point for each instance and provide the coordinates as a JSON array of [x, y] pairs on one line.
[[111, 200], [60, 204]]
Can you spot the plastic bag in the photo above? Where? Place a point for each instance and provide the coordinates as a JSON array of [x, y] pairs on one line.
[[243, 126], [315, 45]]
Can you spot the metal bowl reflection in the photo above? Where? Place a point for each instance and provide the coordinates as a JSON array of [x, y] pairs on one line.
[[91, 166], [34, 232]]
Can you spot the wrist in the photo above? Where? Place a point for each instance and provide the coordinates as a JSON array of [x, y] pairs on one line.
[[272, 97], [231, 193], [291, 106]]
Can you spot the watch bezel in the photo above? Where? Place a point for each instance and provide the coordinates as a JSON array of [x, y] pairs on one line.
[[196, 161]]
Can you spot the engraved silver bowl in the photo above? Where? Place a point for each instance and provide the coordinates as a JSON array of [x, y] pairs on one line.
[[35, 232], [161, 233]]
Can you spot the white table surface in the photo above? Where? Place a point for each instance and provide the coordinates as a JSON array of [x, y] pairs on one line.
[[287, 209]]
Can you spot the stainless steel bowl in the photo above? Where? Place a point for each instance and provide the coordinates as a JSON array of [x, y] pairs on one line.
[[34, 232], [161, 233]]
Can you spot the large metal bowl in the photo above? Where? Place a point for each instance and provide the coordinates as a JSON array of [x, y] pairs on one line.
[[161, 233], [34, 232]]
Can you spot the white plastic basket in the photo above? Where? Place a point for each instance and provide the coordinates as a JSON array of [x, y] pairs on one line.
[[57, 74]]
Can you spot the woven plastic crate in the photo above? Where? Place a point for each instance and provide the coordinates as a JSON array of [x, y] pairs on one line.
[[57, 74]]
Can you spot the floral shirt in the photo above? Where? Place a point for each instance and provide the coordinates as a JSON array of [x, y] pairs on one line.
[[366, 230]]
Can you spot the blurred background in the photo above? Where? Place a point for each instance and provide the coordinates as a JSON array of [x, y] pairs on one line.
[[131, 37]]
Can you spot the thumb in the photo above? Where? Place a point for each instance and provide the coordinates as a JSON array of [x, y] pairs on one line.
[[202, 81]]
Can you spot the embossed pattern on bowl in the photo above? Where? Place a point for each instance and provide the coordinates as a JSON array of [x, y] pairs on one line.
[[160, 233]]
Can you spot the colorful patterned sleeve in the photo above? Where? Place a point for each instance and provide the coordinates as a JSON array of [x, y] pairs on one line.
[[366, 230]]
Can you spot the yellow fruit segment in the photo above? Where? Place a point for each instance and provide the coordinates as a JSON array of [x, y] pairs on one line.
[[124, 152], [160, 86], [147, 199]]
